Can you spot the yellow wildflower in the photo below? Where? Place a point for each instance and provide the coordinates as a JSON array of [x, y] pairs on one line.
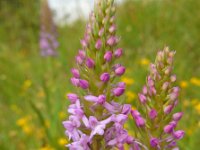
[[144, 61], [130, 96], [40, 133], [27, 129], [195, 81], [22, 121], [183, 84], [61, 115], [128, 81], [197, 107], [27, 84], [62, 141]]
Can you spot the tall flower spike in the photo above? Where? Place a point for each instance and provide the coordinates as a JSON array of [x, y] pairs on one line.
[[158, 99], [96, 118], [48, 34]]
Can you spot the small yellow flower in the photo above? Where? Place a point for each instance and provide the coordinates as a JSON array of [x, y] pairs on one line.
[[62, 115], [130, 96], [144, 61], [27, 129], [27, 84], [183, 84], [195, 81], [40, 133], [128, 81], [62, 141], [197, 107], [22, 121]]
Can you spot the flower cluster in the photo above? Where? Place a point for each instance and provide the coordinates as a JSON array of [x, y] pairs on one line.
[[48, 34], [157, 123], [96, 117]]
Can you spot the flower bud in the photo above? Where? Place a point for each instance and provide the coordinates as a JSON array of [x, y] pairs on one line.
[[112, 28], [108, 56], [83, 84], [105, 77], [75, 81], [179, 134], [75, 73], [90, 63], [126, 109], [118, 52], [154, 142], [144, 90], [118, 91], [112, 41], [153, 114], [139, 121], [177, 116], [120, 70], [168, 128], [168, 109], [101, 32], [79, 60], [142, 98], [173, 78], [98, 44], [165, 86], [72, 97], [101, 99]]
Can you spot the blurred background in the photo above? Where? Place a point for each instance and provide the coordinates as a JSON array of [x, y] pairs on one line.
[[34, 78]]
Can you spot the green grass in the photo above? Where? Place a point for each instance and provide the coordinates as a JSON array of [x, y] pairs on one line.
[[36, 87]]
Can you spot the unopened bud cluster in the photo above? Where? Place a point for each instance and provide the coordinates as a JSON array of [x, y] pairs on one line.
[[157, 100]]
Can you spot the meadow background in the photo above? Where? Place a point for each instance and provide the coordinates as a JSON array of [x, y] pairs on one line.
[[33, 88]]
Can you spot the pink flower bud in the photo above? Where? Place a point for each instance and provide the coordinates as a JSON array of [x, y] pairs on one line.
[[83, 84], [108, 56], [144, 90], [154, 142], [135, 113], [79, 60], [105, 77], [112, 28], [168, 128], [173, 78], [101, 31], [112, 41], [72, 97], [153, 114], [168, 109], [142, 98], [120, 70], [118, 53], [98, 44], [75, 73], [101, 99], [118, 91], [177, 116], [139, 121], [90, 63], [179, 134], [165, 86], [82, 54], [75, 81], [126, 109]]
